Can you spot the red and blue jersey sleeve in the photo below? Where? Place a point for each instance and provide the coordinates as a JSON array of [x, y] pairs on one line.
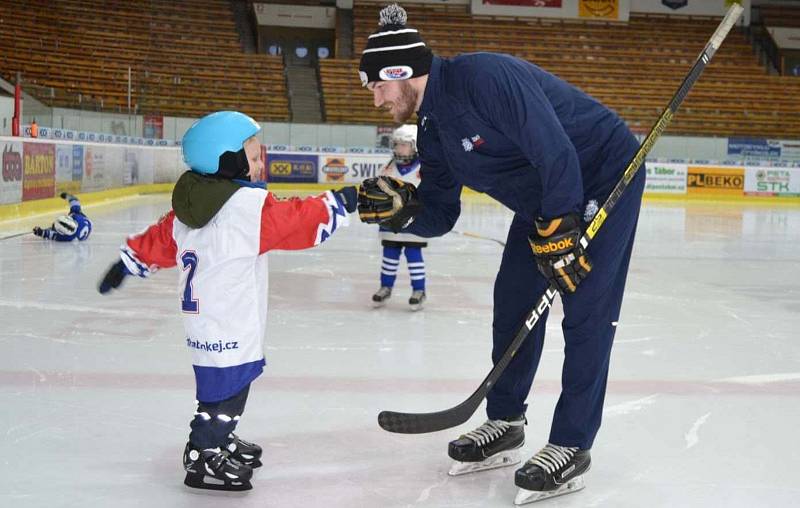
[[153, 248], [295, 223]]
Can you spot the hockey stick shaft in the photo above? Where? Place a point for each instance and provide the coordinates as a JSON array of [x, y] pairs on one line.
[[14, 235], [419, 423], [478, 237]]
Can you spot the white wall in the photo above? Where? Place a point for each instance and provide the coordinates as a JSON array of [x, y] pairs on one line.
[[6, 113]]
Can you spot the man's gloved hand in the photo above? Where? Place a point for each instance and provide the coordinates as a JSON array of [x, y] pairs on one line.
[[388, 201], [559, 256], [38, 231], [348, 196], [113, 277]]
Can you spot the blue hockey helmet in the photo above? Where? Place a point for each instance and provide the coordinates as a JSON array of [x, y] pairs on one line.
[[212, 143]]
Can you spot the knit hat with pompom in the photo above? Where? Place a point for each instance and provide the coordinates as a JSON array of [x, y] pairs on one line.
[[396, 51]]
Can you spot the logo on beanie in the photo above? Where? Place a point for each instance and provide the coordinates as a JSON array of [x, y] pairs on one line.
[[395, 73]]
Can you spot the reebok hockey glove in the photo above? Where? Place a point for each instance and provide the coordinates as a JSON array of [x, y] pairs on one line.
[[559, 256], [388, 201], [113, 277]]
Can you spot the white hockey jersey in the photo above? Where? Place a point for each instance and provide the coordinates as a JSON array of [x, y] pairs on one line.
[[223, 284]]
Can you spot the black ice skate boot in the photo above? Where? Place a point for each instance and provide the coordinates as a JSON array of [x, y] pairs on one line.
[[554, 471], [214, 469], [494, 444], [243, 451], [380, 296], [417, 299]]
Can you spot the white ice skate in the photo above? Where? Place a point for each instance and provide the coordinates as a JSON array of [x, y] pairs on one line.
[[417, 300], [380, 296]]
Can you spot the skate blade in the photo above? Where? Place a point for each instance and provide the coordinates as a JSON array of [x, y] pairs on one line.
[[532, 496], [201, 481], [378, 305], [416, 306], [502, 459]]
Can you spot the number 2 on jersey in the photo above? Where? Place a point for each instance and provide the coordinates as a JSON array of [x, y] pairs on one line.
[[188, 304]]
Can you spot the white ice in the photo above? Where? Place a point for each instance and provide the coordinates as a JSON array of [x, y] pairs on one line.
[[702, 409]]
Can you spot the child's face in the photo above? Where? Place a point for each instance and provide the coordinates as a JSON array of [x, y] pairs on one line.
[[252, 148], [403, 149]]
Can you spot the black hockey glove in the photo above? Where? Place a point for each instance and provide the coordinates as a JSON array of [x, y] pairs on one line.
[[388, 201], [559, 256], [113, 277], [38, 231], [348, 196]]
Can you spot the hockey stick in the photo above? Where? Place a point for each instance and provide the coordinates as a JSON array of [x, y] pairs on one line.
[[478, 237], [15, 235], [419, 423]]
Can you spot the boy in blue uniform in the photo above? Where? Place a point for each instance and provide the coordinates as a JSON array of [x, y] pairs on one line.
[[552, 154], [74, 226]]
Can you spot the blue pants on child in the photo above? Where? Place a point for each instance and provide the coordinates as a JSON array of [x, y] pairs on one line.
[[391, 261]]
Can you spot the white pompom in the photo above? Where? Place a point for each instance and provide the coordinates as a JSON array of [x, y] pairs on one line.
[[392, 15]]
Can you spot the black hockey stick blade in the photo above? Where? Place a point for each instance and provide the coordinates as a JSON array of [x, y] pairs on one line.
[[420, 423]]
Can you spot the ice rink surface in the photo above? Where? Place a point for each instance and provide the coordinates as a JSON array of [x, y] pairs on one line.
[[702, 409]]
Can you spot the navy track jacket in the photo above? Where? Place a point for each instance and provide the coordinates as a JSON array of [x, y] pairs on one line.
[[506, 127]]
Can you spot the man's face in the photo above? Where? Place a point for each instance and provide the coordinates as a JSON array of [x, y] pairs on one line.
[[252, 149], [397, 97]]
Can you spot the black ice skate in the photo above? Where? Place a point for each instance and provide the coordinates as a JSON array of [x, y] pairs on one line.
[[554, 471], [494, 444], [380, 297], [416, 300], [214, 469], [243, 451]]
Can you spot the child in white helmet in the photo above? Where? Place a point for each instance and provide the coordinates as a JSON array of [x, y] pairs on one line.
[[405, 166], [217, 231], [73, 226]]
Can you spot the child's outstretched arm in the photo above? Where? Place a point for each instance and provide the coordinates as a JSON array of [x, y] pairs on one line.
[[143, 253], [295, 223]]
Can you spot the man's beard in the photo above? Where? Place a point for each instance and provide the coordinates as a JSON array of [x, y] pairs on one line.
[[404, 107]]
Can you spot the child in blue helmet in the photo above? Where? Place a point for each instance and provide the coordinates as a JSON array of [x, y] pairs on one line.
[[219, 228], [73, 226]]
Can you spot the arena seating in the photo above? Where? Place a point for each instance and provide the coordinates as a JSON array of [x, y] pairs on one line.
[[780, 15], [633, 67], [185, 57]]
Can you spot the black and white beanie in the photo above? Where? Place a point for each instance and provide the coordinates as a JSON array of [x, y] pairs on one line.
[[395, 52]]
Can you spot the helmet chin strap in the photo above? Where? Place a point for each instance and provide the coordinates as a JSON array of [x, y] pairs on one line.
[[233, 166]]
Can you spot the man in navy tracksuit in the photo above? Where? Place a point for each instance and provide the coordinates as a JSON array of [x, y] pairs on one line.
[[552, 154]]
